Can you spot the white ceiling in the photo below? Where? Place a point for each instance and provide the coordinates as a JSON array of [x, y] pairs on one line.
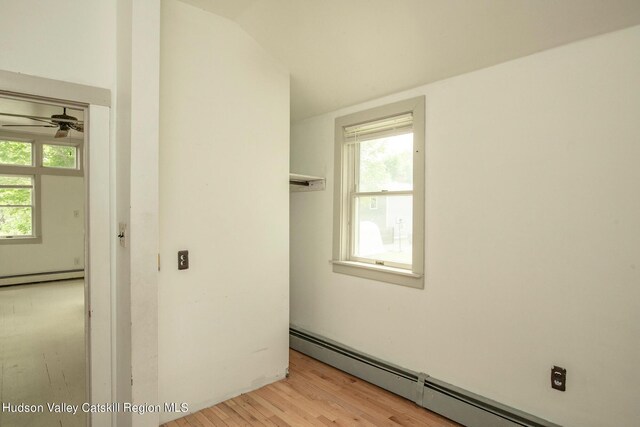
[[342, 52]]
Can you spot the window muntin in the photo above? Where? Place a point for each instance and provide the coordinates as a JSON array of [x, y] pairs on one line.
[[59, 156], [379, 193], [17, 203], [16, 153]]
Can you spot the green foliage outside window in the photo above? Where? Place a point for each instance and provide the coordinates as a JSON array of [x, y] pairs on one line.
[[14, 180], [16, 211], [15, 153], [15, 196], [386, 164], [16, 221], [59, 156]]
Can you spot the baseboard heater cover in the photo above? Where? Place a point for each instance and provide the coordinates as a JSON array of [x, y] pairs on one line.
[[23, 279], [459, 405]]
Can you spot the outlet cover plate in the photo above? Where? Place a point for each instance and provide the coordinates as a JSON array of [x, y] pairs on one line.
[[183, 260]]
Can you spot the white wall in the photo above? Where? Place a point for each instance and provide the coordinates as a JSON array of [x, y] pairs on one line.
[[532, 231], [224, 161], [62, 246], [36, 32]]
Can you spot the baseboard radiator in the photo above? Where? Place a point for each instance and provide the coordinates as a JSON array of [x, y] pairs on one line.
[[445, 399], [50, 276]]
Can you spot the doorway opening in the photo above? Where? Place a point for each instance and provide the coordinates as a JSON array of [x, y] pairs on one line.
[[44, 297]]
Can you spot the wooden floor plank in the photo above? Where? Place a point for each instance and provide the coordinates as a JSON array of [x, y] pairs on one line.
[[289, 412], [366, 405], [245, 415], [233, 418], [266, 412], [213, 418], [219, 413], [350, 409], [317, 395], [359, 389], [194, 421], [246, 406]]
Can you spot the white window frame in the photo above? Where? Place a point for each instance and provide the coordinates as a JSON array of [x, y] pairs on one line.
[[344, 190], [66, 143], [35, 203], [36, 170]]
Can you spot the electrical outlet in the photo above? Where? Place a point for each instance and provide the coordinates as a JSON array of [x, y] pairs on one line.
[[559, 378], [183, 260]]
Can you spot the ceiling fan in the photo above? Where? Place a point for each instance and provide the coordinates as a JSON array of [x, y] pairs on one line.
[[63, 122]]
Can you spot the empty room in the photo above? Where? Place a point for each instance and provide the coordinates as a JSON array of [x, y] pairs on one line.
[[319, 212], [42, 289]]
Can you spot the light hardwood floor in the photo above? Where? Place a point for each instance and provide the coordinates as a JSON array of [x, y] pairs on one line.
[[42, 355], [315, 394]]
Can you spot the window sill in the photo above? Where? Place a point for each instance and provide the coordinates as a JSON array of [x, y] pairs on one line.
[[19, 240], [380, 273]]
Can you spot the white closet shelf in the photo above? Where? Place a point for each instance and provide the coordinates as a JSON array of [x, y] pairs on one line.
[[298, 182]]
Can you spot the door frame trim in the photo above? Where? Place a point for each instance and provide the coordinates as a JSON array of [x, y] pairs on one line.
[[99, 224]]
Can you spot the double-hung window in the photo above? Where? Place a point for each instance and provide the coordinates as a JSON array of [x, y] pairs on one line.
[[18, 210], [379, 194], [17, 204], [23, 162]]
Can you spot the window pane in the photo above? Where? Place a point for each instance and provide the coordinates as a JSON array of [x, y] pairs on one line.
[[15, 153], [384, 228], [15, 222], [386, 164], [15, 180], [15, 196], [59, 156]]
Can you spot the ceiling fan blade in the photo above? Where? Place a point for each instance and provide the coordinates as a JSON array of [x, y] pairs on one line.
[[77, 126], [61, 133], [32, 126], [42, 119], [37, 118]]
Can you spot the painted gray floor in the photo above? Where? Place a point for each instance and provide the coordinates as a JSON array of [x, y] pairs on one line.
[[42, 354]]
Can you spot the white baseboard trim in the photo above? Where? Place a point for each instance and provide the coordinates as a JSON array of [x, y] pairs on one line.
[[23, 279]]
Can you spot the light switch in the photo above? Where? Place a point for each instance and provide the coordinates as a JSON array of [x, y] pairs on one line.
[[559, 378]]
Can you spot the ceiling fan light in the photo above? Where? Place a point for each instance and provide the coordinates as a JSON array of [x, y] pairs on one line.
[[62, 133]]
